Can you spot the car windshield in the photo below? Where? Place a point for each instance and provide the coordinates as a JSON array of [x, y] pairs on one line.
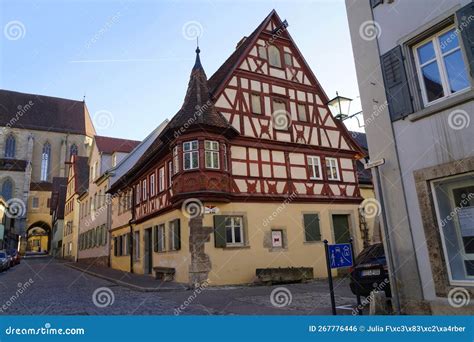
[[372, 252]]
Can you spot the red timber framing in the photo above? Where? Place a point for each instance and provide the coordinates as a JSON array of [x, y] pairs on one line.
[[260, 160]]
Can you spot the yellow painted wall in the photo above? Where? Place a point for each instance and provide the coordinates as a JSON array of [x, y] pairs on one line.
[[237, 265], [43, 243]]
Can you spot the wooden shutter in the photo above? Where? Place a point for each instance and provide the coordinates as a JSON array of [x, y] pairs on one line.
[[115, 246], [177, 234], [219, 231], [465, 24], [396, 84], [375, 3], [311, 227]]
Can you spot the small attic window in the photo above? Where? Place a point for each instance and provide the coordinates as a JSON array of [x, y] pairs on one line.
[[288, 60]]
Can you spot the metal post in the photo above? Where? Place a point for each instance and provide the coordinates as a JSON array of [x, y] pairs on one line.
[[331, 287], [359, 310], [391, 268]]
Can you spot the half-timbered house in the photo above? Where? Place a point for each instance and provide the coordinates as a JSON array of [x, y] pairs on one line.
[[253, 172]]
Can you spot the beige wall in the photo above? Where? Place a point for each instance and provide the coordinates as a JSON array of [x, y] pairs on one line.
[[237, 265]]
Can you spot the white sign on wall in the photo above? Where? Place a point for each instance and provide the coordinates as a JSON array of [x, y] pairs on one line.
[[277, 238]]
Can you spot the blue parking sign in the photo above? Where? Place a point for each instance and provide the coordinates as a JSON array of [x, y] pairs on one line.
[[340, 255]]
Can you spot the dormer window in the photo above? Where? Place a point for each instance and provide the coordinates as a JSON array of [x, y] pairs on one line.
[[211, 154], [274, 57], [191, 155]]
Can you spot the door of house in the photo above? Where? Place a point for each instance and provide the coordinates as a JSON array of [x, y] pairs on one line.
[[342, 232], [148, 251]]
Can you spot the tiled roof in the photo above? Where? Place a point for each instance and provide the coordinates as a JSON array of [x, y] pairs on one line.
[[364, 176], [58, 196], [111, 145], [41, 186], [81, 171], [228, 67], [198, 108], [30, 111]]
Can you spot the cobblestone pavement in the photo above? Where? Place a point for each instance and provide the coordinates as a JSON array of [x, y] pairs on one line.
[[45, 286]]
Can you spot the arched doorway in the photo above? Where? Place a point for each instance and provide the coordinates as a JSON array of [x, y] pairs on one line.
[[38, 237]]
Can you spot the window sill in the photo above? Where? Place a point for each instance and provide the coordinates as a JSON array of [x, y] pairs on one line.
[[236, 247], [443, 105]]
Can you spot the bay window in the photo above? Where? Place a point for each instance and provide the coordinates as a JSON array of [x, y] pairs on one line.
[[191, 155], [175, 160], [211, 154]]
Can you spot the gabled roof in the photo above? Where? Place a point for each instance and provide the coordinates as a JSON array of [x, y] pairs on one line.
[[111, 145], [46, 113]]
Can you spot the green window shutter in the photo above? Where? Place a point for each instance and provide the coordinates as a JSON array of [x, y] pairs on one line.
[[177, 234], [219, 231], [115, 246], [105, 235], [464, 18], [396, 84], [311, 227]]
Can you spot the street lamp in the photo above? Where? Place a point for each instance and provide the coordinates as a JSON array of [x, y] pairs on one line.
[[340, 106]]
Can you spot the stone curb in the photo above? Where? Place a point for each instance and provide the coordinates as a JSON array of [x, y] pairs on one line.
[[125, 284]]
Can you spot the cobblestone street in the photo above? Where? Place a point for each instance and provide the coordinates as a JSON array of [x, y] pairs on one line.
[[45, 286]]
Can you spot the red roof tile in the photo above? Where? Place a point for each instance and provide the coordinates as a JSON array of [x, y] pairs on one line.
[[111, 145]]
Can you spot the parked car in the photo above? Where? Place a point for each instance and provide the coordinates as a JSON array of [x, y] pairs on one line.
[[370, 272], [4, 261], [15, 256]]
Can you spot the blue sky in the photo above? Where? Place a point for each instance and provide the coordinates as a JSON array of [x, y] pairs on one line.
[[132, 58]]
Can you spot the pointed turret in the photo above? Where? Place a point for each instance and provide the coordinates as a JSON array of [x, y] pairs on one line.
[[198, 111]]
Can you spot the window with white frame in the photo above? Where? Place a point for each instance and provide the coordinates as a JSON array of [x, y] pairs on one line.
[[170, 173], [332, 169], [159, 238], [211, 154], [152, 185], [137, 194], [314, 167], [175, 160], [226, 166], [190, 155], [161, 179], [234, 230], [144, 192], [440, 66], [454, 204]]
